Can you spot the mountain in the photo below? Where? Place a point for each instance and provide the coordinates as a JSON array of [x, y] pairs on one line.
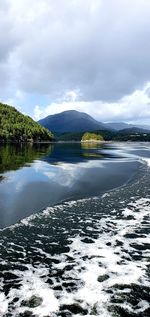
[[71, 121], [133, 130], [75, 121], [145, 127], [118, 125], [122, 125], [16, 127]]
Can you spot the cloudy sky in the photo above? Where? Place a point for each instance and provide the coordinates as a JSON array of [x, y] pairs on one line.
[[88, 55]]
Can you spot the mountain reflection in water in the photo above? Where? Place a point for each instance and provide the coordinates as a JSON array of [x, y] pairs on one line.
[[36, 176]]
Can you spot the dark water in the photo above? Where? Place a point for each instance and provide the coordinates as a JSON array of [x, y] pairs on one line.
[[84, 256], [33, 178]]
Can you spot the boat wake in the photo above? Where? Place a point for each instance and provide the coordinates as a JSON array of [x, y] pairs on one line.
[[87, 257]]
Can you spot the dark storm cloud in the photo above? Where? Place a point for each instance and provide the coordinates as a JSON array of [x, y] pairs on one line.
[[99, 47]]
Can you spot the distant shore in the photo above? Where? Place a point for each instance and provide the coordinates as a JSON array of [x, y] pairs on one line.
[[92, 141]]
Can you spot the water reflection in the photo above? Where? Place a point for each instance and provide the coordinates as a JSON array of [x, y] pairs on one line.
[[13, 157], [90, 145], [1, 178], [39, 176]]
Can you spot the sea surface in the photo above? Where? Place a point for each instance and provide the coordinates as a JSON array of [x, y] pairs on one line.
[[75, 230]]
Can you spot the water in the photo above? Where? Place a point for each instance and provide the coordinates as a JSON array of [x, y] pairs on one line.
[[87, 255], [36, 177]]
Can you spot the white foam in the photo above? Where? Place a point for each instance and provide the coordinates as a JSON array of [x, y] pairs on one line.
[[147, 160], [102, 260], [3, 304], [127, 212], [97, 266], [32, 284]]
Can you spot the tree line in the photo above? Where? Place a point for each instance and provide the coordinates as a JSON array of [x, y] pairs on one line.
[[16, 127]]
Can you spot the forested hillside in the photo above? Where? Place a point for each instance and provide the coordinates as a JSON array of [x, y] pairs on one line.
[[92, 137], [16, 127]]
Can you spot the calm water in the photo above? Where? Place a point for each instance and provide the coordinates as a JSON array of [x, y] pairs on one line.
[[74, 236], [33, 178]]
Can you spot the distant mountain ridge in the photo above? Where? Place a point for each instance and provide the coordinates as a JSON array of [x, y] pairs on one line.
[[123, 125], [75, 121]]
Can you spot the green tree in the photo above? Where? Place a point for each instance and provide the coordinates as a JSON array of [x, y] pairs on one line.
[[91, 137], [16, 127]]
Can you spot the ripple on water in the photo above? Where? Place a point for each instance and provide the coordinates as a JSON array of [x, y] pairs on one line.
[[87, 257]]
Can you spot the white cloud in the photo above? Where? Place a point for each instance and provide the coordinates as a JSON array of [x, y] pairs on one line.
[[71, 96], [93, 53], [16, 100], [38, 113], [131, 108]]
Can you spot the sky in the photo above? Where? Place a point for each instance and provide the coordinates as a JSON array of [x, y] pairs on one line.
[[88, 55]]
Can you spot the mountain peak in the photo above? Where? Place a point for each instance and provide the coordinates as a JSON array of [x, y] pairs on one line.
[[76, 121], [71, 121]]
